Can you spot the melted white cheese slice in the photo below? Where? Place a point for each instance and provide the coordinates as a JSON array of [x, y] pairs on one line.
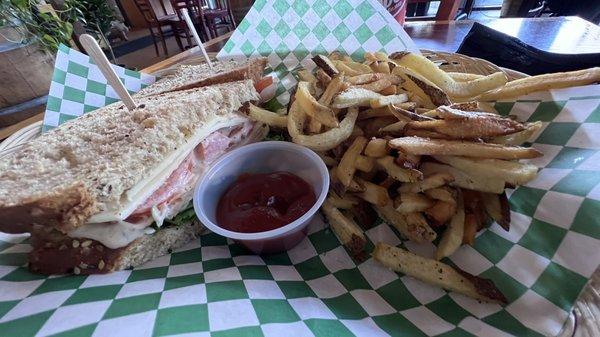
[[144, 188]]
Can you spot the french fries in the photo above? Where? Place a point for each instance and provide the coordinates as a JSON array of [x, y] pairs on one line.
[[527, 85], [346, 168], [417, 230], [429, 70], [377, 147], [267, 117], [414, 145], [453, 235], [431, 181], [422, 146], [464, 179], [347, 231], [397, 172], [412, 202], [496, 206], [373, 194], [329, 139], [314, 109], [437, 273], [512, 172]]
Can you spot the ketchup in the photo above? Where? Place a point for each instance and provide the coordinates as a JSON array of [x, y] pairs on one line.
[[258, 202]]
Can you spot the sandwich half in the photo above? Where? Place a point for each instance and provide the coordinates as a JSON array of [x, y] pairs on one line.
[[112, 188]]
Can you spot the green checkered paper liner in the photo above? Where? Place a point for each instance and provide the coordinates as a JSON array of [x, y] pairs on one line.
[[289, 33], [78, 87], [213, 287]]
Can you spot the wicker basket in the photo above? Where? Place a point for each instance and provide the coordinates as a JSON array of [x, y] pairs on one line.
[[585, 317]]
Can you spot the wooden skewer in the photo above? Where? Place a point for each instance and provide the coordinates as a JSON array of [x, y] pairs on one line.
[[190, 25], [94, 51]]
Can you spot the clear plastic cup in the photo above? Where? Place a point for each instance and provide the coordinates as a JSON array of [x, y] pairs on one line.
[[263, 157]]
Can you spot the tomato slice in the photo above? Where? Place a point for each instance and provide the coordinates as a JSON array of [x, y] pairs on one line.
[[263, 83]]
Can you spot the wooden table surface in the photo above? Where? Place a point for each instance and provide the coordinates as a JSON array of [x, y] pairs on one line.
[[562, 35]]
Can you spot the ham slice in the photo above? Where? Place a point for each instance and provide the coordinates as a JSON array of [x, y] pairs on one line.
[[183, 179]]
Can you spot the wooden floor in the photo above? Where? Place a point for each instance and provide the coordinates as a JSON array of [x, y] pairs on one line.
[[144, 57]]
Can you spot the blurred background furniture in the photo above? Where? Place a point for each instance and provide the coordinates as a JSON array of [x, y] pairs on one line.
[[156, 23], [217, 16]]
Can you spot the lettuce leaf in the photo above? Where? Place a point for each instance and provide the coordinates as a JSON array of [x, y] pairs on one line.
[[184, 217]]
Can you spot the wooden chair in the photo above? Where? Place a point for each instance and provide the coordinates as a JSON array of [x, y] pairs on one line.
[[194, 10], [218, 17], [155, 22]]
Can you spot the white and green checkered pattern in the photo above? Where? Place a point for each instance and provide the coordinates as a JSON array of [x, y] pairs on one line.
[[289, 33], [78, 87], [213, 287]]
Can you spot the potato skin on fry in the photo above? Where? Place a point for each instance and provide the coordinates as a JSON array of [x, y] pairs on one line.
[[437, 273]]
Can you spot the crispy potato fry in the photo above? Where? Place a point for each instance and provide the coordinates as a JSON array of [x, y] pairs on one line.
[[334, 86], [359, 68], [527, 85], [453, 235], [345, 170], [314, 109], [326, 64], [380, 67], [314, 126], [470, 229], [346, 230], [519, 137], [463, 179], [444, 193], [418, 232], [268, 117], [329, 161], [435, 94], [376, 86], [441, 212], [496, 206], [364, 214], [322, 78], [335, 55], [395, 129], [405, 115], [377, 147], [401, 174], [347, 202], [391, 90], [416, 93], [407, 161], [364, 163], [433, 180], [296, 120], [408, 132], [470, 127], [372, 193], [357, 131], [354, 97], [430, 71], [421, 146], [328, 139], [306, 76], [464, 77], [382, 101], [339, 188], [374, 113], [437, 273], [412, 202], [512, 172]]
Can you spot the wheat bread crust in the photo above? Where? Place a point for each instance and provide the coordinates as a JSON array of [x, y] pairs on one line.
[[196, 76], [55, 253]]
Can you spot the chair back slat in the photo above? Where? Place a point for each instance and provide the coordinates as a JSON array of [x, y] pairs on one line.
[[147, 11], [193, 7]]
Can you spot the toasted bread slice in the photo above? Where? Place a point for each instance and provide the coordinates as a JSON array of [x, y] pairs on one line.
[[196, 76]]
